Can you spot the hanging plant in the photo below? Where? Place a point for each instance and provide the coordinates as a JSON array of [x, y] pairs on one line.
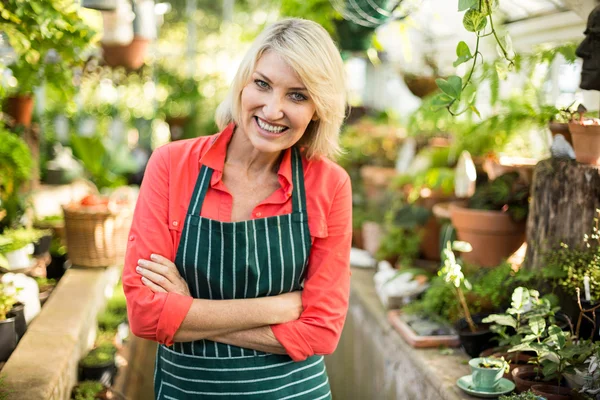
[[479, 20]]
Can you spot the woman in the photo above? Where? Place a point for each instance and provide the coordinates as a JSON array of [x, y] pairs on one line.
[[248, 288]]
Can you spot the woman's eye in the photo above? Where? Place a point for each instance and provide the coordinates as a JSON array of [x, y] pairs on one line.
[[298, 97], [261, 84]]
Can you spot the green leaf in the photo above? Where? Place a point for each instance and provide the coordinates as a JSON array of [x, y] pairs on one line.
[[520, 298], [452, 87], [466, 4], [474, 20], [537, 325], [505, 320], [475, 110], [441, 100], [463, 53]]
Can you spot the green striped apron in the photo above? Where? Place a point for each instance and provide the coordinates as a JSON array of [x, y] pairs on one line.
[[234, 260]]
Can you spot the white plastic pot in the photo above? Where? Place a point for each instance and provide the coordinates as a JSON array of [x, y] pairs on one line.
[[20, 259], [118, 24]]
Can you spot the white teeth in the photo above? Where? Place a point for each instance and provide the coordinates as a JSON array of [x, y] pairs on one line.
[[268, 127]]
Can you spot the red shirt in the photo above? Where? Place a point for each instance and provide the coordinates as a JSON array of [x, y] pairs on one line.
[[160, 211]]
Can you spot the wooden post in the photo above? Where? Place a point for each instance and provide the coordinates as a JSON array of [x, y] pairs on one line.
[[564, 197]]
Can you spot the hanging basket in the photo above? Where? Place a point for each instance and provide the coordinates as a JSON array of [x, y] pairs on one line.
[[353, 37], [420, 86], [101, 5]]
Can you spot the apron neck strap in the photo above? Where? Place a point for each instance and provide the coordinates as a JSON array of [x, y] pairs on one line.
[[298, 194]]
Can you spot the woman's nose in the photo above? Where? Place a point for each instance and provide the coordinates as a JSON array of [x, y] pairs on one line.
[[273, 108]]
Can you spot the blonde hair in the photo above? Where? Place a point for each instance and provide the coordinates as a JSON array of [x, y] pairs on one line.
[[309, 50]]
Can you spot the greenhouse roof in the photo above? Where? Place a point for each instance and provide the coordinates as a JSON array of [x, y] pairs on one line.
[[518, 9]]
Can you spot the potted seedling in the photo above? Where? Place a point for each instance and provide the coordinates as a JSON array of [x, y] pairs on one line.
[[586, 138], [17, 246], [487, 372], [91, 390], [8, 334], [99, 364], [512, 326], [474, 335], [46, 286], [522, 396]]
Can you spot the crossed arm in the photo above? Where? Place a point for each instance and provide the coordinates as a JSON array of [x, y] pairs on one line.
[[243, 322]]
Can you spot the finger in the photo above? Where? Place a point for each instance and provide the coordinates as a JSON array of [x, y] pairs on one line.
[[152, 286], [162, 260], [155, 278], [155, 267]]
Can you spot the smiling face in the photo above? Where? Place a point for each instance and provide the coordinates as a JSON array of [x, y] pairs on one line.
[[589, 51], [275, 105]]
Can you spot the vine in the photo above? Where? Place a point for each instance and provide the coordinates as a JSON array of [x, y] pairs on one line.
[[478, 15]]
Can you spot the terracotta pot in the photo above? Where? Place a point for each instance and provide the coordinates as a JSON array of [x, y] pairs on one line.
[[551, 392], [430, 238], [515, 360], [562, 128], [586, 142], [524, 378], [420, 86], [21, 109], [493, 234], [130, 56]]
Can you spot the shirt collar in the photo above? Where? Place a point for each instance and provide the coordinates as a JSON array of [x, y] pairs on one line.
[[214, 157]]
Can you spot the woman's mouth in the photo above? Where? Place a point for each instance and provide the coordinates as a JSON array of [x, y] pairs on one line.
[[268, 129]]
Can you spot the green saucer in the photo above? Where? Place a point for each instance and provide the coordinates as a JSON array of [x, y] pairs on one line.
[[504, 386]]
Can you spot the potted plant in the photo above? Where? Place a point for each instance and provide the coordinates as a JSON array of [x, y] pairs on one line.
[[17, 165], [99, 364], [559, 124], [512, 326], [50, 40], [493, 220], [474, 335], [586, 138], [528, 395], [8, 334], [91, 390], [46, 286], [17, 246]]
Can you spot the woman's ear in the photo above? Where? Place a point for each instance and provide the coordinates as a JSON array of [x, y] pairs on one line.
[[315, 117]]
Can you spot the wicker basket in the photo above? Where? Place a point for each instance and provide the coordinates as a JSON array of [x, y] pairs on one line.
[[97, 236]]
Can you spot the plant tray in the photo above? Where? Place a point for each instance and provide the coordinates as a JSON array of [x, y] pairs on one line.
[[417, 341]]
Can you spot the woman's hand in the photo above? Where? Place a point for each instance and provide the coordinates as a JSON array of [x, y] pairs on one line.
[[161, 275], [291, 305]]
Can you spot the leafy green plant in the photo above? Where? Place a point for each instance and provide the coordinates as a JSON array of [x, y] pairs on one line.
[[478, 16], [494, 363], [512, 326], [87, 390], [506, 193], [99, 356], [183, 95], [17, 166], [19, 238], [521, 396], [8, 298], [49, 38]]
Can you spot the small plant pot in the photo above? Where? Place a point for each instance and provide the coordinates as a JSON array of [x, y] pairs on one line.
[[19, 259], [550, 392], [8, 338], [420, 86], [474, 343], [103, 373], [42, 246], [131, 56], [18, 312], [586, 142], [524, 378], [21, 109]]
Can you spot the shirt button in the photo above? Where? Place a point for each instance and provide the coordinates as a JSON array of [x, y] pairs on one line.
[[258, 214], [289, 194], [175, 223], [131, 238]]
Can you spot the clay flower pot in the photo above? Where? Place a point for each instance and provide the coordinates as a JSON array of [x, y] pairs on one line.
[[551, 392], [21, 109], [130, 56], [420, 86], [586, 142], [524, 378], [493, 234]]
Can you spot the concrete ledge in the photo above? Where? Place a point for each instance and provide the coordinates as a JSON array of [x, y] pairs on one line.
[[44, 365]]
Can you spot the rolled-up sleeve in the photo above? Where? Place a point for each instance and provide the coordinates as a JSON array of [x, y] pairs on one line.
[[327, 286], [154, 316]]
